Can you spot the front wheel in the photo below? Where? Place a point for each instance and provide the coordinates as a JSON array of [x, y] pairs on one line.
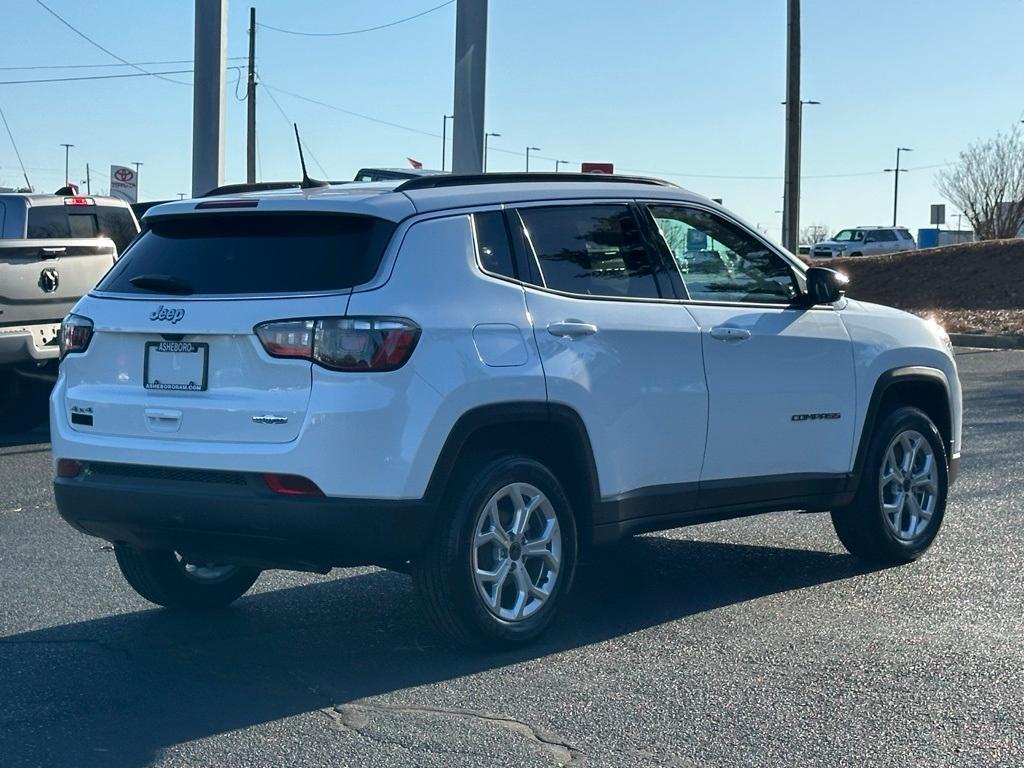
[[901, 497], [502, 556], [169, 579]]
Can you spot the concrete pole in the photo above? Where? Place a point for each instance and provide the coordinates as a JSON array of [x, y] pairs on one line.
[[791, 187], [208, 95], [250, 94], [470, 82]]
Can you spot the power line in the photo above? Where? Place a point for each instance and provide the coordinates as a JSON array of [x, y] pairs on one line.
[[292, 123], [108, 66], [357, 31], [107, 51], [101, 77], [16, 152]]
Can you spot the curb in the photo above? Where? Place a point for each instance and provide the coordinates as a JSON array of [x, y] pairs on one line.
[[986, 341]]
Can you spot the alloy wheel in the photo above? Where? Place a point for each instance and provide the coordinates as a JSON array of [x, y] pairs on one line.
[[908, 485]]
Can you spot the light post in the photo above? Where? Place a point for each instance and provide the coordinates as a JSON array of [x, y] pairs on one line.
[[560, 162], [67, 152], [528, 150], [181, 195], [444, 138], [138, 186], [896, 183], [486, 137]]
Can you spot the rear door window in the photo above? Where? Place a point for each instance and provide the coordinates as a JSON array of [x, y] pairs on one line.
[[117, 223], [592, 250], [492, 243], [255, 253]]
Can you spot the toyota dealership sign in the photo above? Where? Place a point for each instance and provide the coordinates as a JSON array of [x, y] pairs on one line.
[[124, 183]]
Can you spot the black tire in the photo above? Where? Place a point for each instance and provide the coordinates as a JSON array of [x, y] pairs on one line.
[[862, 527], [160, 577], [443, 573], [23, 402], [856, 254]]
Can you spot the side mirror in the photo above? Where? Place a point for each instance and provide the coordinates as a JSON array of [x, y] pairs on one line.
[[825, 286]]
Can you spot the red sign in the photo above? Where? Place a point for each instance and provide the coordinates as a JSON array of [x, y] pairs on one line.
[[597, 167]]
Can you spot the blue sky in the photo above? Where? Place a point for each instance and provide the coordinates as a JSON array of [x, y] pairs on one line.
[[681, 88]]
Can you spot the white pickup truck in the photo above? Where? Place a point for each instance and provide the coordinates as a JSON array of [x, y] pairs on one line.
[[53, 249]]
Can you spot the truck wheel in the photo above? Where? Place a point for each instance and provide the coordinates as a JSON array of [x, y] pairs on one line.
[[502, 556], [854, 255], [165, 578], [23, 403], [901, 496]]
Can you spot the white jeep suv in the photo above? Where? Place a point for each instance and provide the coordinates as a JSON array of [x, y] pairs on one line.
[[478, 380]]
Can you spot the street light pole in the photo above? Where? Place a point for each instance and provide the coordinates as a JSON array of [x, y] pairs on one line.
[[791, 183], [67, 151], [535, 149], [486, 137], [444, 138], [896, 183], [560, 162]]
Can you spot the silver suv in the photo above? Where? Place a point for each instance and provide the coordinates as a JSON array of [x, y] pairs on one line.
[[865, 241], [53, 249]]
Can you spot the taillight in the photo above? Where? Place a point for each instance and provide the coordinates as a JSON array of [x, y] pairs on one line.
[[343, 343], [75, 335]]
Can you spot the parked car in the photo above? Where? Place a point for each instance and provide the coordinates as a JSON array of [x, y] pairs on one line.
[[53, 249], [865, 241], [478, 380]]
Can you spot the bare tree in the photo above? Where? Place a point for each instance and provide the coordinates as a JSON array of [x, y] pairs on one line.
[[813, 233], [987, 184]]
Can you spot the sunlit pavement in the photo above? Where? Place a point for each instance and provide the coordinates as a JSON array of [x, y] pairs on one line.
[[752, 642]]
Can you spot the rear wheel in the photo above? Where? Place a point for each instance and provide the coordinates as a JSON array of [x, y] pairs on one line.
[[168, 579], [502, 556], [901, 498]]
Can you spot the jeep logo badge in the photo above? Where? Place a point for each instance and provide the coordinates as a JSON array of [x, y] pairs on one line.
[[49, 279], [170, 314]]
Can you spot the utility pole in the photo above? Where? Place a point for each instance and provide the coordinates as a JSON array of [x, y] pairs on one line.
[[791, 187], [896, 183], [67, 152], [208, 95], [250, 95], [88, 180], [444, 138], [470, 81]]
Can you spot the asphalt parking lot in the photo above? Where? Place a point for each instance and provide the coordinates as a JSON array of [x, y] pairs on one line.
[[755, 642]]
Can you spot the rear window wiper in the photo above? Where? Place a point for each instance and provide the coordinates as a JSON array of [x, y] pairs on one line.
[[162, 284]]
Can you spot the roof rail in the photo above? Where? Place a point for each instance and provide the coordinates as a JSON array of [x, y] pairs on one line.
[[473, 179], [260, 186]]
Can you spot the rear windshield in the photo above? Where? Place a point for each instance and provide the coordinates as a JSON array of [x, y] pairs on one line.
[[66, 221], [255, 253]]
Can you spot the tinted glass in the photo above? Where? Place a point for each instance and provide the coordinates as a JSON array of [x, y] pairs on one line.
[[905, 234], [492, 243], [260, 253], [117, 223], [48, 221], [592, 250], [82, 224], [718, 261], [880, 236]]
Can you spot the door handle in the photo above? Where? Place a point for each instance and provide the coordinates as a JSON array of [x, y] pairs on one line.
[[572, 329], [727, 333]]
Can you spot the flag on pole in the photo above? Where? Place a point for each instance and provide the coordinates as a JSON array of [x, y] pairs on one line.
[[414, 163]]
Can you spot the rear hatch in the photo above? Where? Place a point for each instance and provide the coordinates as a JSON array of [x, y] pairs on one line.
[[174, 354], [40, 280]]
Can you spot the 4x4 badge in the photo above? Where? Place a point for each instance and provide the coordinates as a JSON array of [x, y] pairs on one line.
[[171, 314]]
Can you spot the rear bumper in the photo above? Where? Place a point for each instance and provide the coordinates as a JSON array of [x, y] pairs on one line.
[[28, 343], [234, 517]]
